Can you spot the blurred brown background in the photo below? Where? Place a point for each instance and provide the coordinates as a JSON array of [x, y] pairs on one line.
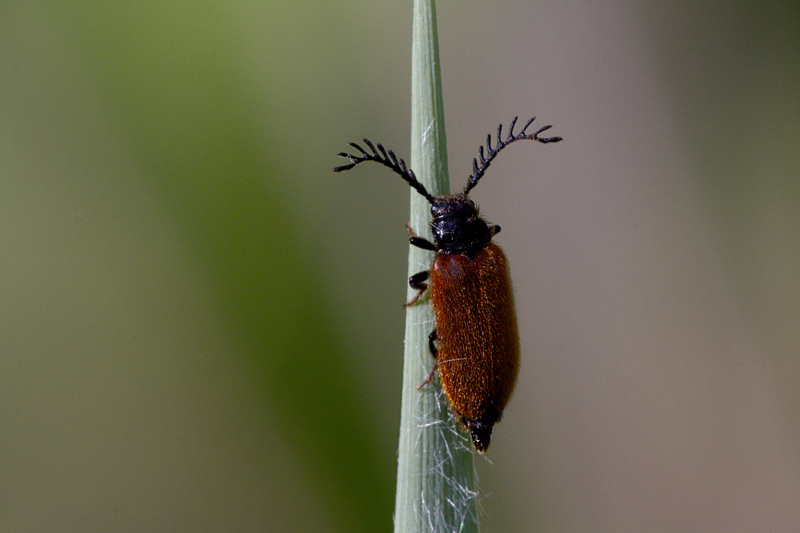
[[200, 325]]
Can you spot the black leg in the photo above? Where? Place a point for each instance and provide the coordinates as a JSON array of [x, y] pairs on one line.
[[419, 242], [431, 340], [434, 351], [417, 281]]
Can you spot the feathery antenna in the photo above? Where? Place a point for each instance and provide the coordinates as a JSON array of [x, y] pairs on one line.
[[387, 159], [478, 171]]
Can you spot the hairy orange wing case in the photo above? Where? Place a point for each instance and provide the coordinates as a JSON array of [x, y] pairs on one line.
[[478, 342]]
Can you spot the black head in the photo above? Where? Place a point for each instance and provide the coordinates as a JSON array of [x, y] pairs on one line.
[[457, 226]]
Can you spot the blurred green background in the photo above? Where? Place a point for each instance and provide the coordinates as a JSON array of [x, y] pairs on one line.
[[201, 326]]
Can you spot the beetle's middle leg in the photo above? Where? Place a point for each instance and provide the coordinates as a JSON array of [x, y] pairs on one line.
[[417, 281]]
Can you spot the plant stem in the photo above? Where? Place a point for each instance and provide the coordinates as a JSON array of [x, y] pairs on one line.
[[435, 475]]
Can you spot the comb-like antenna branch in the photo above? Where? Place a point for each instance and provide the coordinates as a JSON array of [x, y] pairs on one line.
[[387, 159], [479, 170]]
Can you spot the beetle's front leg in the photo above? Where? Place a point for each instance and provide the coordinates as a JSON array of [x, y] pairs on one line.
[[419, 242], [417, 281]]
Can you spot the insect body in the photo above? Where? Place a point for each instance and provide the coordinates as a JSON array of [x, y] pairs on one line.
[[475, 343]]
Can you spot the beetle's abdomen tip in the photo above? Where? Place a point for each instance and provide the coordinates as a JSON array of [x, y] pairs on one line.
[[481, 433], [481, 442]]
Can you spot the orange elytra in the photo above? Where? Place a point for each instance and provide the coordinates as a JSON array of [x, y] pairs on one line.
[[475, 344]]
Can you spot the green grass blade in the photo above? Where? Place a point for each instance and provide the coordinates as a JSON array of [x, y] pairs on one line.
[[435, 478]]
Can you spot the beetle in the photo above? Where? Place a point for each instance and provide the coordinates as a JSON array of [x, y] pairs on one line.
[[475, 343]]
